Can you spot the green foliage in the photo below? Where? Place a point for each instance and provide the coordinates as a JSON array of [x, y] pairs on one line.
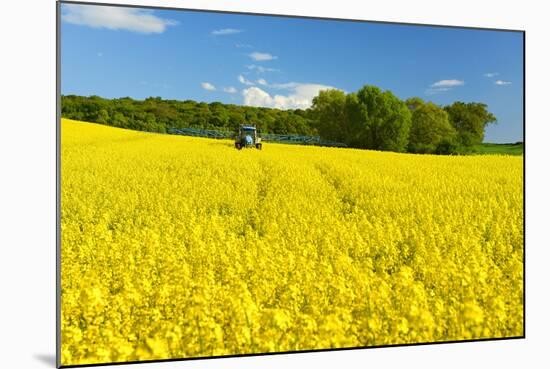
[[376, 119], [157, 115], [469, 120], [385, 120], [430, 127], [338, 116], [449, 146], [413, 103], [370, 118]]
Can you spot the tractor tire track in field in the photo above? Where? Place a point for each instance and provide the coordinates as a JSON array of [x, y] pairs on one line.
[[254, 219], [345, 198]]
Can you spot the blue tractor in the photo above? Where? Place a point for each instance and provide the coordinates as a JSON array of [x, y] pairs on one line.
[[248, 137]]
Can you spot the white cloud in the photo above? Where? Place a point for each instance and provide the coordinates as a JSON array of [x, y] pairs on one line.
[[230, 89], [244, 81], [225, 31], [502, 83], [115, 18], [443, 85], [491, 74], [262, 82], [257, 56], [260, 69], [300, 96], [208, 86], [447, 83], [254, 96]]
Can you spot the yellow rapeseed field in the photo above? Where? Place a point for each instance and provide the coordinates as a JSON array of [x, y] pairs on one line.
[[178, 247]]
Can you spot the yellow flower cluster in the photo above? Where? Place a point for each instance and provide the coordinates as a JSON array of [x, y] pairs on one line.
[[178, 247]]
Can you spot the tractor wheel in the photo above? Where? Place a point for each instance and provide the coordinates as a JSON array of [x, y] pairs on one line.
[[238, 146], [259, 146]]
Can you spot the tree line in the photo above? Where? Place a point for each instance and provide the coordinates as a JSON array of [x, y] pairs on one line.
[[157, 115], [374, 119], [369, 118]]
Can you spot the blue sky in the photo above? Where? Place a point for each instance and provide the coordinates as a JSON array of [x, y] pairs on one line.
[[284, 62]]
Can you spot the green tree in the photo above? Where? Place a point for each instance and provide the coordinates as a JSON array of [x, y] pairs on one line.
[[338, 116], [386, 120], [329, 110], [469, 120], [119, 120], [413, 103], [102, 116], [430, 126]]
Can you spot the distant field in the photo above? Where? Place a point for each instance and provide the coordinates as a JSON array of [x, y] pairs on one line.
[[502, 149]]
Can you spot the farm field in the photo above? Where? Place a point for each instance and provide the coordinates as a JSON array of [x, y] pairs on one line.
[[501, 149], [177, 247]]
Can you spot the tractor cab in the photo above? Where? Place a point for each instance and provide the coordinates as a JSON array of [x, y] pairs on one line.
[[248, 136]]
